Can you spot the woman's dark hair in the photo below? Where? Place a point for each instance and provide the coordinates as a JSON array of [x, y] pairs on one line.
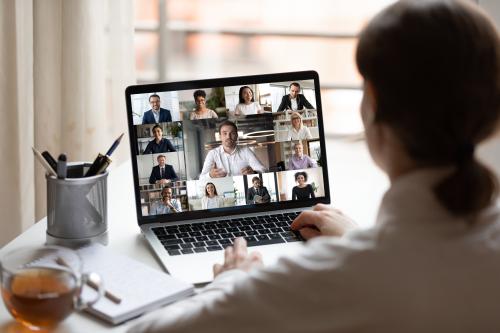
[[199, 93], [301, 173], [215, 188], [241, 96], [435, 70]]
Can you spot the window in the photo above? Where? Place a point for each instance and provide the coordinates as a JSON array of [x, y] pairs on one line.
[[193, 39]]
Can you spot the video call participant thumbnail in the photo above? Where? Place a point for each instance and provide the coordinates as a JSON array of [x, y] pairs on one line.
[[162, 173], [302, 190], [211, 199], [257, 193], [168, 204], [300, 161], [228, 159], [156, 114], [294, 101], [159, 144]]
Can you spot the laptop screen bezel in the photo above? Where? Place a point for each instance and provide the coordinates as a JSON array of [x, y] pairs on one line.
[[223, 82]]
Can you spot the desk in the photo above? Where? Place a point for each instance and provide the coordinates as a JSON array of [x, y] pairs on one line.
[[356, 186]]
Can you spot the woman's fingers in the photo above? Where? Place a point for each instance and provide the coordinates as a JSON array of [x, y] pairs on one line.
[[309, 233], [305, 219]]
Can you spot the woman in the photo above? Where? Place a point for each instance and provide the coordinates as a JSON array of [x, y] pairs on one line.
[[211, 198], [431, 74], [297, 130], [159, 144], [247, 103], [201, 111], [302, 190]]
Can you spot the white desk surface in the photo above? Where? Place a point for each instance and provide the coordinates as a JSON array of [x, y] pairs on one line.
[[356, 187]]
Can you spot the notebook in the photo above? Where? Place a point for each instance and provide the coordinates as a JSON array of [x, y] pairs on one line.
[[205, 151], [140, 287]]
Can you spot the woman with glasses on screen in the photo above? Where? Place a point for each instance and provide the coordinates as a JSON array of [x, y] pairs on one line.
[[297, 130], [431, 73]]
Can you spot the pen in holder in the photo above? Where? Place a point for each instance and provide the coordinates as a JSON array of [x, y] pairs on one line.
[[77, 207]]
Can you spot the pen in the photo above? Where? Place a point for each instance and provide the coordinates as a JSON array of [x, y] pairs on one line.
[[52, 162], [44, 163], [61, 167], [114, 145], [102, 161], [112, 297]]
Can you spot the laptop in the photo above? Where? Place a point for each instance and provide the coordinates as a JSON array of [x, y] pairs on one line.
[[223, 158]]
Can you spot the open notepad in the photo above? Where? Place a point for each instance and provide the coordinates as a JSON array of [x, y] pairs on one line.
[[140, 287]]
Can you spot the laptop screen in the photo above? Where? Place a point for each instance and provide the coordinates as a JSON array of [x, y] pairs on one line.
[[227, 146]]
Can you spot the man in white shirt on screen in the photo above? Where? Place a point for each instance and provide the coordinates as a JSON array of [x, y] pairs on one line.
[[228, 159]]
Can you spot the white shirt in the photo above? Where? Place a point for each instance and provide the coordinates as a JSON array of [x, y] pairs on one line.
[[215, 202], [294, 104], [156, 114], [246, 109], [420, 269], [232, 163], [302, 134]]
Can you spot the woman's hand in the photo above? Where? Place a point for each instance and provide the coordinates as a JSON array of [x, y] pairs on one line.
[[323, 220], [237, 257]]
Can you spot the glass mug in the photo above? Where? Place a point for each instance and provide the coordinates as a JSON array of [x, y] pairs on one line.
[[41, 286]]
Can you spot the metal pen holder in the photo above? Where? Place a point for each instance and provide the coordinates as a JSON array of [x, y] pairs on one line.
[[77, 207]]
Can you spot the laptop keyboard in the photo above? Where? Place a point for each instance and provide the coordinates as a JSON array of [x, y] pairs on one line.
[[217, 235]]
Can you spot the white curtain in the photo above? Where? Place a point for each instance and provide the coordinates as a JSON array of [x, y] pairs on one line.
[[65, 66]]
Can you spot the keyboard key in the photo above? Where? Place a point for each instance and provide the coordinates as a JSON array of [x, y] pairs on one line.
[[159, 230], [182, 235], [262, 237], [266, 242], [214, 248], [226, 236], [238, 234], [276, 230], [174, 252], [189, 240], [171, 247], [250, 238], [275, 236], [232, 229], [194, 233], [220, 231], [225, 242], [252, 232], [212, 242], [172, 241], [212, 237], [186, 246], [186, 251], [201, 238], [165, 237], [207, 232], [292, 239], [200, 249], [199, 244]]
